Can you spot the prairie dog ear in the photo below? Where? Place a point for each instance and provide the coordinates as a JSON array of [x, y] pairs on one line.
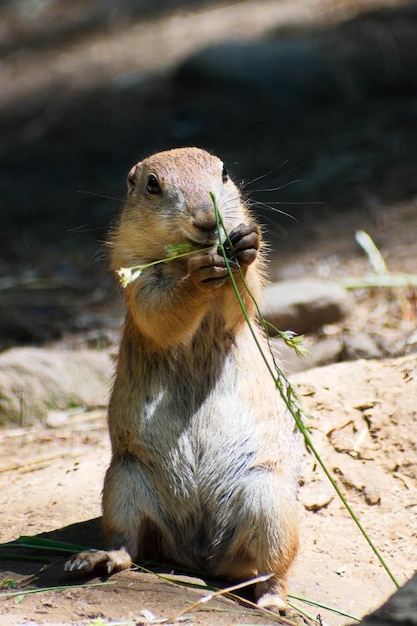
[[131, 178], [225, 175]]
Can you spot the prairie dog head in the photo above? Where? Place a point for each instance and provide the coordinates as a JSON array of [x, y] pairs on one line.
[[169, 202]]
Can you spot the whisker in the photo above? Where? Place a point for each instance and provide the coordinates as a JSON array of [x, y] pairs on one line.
[[284, 186], [269, 221], [100, 195], [301, 203], [85, 228], [275, 169], [274, 209], [101, 254]]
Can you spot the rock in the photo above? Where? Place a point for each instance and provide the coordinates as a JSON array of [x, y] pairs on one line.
[[361, 346], [34, 381], [316, 495], [411, 345], [306, 304], [399, 610]]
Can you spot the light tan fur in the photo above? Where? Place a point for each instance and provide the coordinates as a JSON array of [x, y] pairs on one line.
[[205, 456]]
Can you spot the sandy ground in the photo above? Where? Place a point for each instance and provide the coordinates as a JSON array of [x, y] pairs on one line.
[[363, 425]]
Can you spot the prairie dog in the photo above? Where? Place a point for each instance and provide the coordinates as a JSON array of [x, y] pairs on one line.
[[205, 456]]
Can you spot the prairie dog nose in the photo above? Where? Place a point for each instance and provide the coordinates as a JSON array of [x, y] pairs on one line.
[[204, 217]]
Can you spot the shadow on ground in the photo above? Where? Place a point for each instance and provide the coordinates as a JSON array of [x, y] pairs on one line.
[[67, 148]]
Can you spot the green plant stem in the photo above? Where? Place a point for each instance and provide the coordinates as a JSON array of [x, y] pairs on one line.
[[38, 543], [374, 256], [287, 392], [24, 592], [389, 281], [144, 266], [322, 606]]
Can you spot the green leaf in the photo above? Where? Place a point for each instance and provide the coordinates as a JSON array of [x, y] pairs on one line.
[[9, 583], [174, 249], [18, 599]]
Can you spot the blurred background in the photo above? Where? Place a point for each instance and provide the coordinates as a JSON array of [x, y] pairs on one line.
[[312, 104]]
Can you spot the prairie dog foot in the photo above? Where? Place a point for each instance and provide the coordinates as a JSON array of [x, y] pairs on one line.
[[272, 601], [272, 595], [110, 561]]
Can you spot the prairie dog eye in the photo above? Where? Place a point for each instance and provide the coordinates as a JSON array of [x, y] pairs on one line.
[[153, 187], [131, 179], [225, 175]]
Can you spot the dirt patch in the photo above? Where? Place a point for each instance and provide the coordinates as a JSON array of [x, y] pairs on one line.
[[366, 437], [363, 423]]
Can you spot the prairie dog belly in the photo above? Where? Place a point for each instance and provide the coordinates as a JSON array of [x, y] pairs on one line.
[[213, 463]]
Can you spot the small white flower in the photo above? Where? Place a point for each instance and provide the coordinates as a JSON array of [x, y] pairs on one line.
[[128, 274]]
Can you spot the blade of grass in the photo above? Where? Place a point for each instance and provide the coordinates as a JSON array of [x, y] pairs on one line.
[[324, 607], [226, 592], [286, 390], [203, 587], [50, 544], [176, 581], [38, 543], [389, 281], [128, 275], [382, 276], [12, 594], [260, 610], [374, 256]]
